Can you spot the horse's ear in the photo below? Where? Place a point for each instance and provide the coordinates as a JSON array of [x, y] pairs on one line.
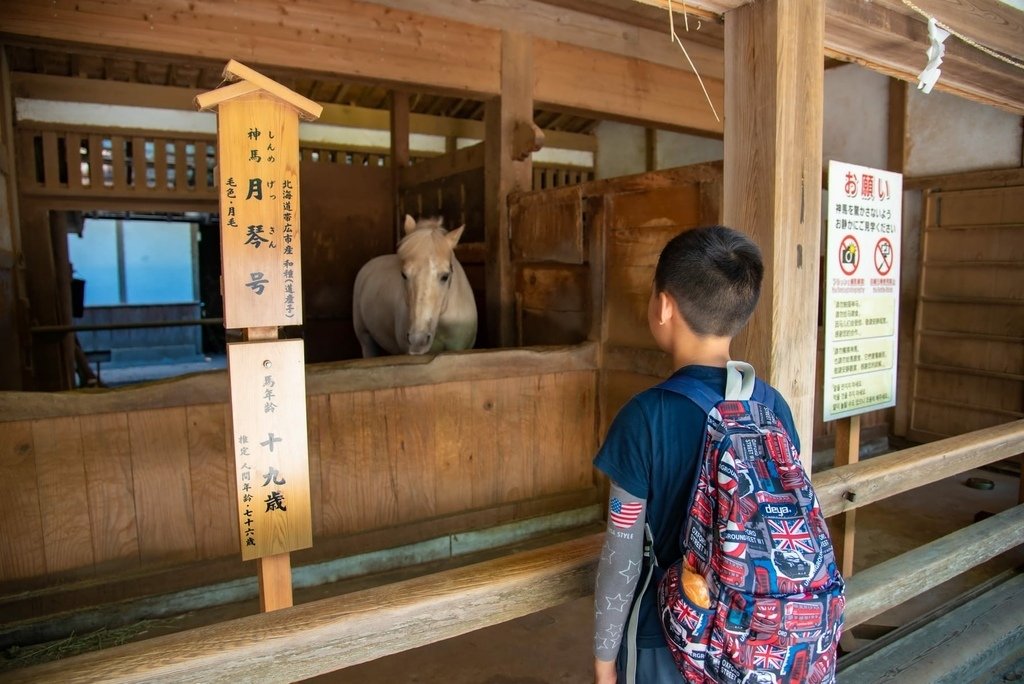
[[410, 224], [454, 235]]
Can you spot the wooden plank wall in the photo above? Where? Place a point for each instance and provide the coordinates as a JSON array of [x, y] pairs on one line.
[[346, 221], [639, 220], [969, 337], [134, 479]]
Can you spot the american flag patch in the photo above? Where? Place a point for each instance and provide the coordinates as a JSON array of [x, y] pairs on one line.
[[624, 515]]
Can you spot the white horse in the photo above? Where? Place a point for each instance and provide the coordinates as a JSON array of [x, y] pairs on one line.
[[418, 300]]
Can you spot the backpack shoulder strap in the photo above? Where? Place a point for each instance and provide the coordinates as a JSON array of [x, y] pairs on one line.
[[694, 390], [741, 384]]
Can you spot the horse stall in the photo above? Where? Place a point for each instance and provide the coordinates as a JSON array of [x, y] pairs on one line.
[[130, 492]]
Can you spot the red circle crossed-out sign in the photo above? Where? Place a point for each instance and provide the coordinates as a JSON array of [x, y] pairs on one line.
[[849, 255], [883, 256]]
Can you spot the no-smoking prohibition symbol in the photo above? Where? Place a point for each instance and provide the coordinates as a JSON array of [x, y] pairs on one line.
[[849, 255], [883, 256]]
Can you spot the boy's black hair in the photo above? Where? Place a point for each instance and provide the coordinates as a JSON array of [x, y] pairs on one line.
[[714, 275]]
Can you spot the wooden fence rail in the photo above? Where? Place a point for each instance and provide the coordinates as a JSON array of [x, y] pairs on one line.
[[343, 631], [844, 489], [330, 634]]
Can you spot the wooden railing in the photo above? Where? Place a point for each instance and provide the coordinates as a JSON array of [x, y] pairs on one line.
[[91, 162], [57, 161], [339, 632]]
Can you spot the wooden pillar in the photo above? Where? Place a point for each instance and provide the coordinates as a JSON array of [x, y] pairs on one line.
[[651, 149], [505, 174], [13, 335], [909, 255], [399, 152], [774, 51]]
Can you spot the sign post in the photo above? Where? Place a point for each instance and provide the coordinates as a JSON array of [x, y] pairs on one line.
[[861, 310], [258, 172]]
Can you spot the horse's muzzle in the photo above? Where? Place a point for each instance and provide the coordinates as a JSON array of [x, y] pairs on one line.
[[419, 343]]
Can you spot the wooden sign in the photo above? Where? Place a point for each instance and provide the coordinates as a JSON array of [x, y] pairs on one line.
[[268, 410], [258, 161]]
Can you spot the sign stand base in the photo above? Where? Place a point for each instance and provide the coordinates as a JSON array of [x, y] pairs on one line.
[[275, 575]]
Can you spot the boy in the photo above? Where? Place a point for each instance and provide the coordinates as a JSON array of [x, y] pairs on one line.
[[706, 286]]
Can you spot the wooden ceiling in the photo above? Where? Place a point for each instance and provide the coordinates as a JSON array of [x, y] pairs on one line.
[[206, 75]]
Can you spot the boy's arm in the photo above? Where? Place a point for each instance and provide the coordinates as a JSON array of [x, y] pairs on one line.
[[619, 571]]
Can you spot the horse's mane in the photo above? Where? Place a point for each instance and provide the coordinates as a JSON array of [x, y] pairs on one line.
[[429, 235]]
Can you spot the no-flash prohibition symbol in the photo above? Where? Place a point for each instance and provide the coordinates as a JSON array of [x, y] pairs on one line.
[[883, 256], [849, 255]]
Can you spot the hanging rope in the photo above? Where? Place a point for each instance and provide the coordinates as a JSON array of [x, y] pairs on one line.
[[675, 39], [969, 41]]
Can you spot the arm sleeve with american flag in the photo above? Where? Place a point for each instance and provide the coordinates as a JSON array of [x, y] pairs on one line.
[[618, 573]]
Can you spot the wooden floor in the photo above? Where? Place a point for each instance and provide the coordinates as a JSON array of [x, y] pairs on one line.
[[554, 646]]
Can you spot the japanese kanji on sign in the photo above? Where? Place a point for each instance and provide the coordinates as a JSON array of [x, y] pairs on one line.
[[258, 171], [862, 289], [268, 410]]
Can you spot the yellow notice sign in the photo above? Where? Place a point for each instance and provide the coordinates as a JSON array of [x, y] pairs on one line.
[[862, 279], [258, 157], [268, 410]]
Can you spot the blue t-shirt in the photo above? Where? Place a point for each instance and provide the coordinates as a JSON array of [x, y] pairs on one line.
[[652, 451]]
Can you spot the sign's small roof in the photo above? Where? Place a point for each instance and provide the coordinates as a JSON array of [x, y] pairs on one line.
[[251, 81]]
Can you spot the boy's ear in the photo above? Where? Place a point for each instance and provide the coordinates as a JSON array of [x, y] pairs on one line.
[[666, 308]]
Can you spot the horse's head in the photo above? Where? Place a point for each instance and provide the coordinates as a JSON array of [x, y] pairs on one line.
[[427, 257]]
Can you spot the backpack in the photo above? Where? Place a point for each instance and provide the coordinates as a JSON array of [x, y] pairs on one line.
[[756, 534]]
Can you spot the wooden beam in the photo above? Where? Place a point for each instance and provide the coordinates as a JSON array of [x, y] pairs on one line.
[[325, 378], [773, 114], [68, 89], [992, 23], [850, 487], [349, 37], [701, 8], [989, 178], [890, 583], [425, 53], [505, 175], [331, 634], [631, 89], [893, 43], [584, 26]]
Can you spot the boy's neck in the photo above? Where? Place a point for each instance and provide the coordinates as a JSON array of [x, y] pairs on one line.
[[694, 350]]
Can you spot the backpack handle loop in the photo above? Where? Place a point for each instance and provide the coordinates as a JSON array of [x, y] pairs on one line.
[[739, 383]]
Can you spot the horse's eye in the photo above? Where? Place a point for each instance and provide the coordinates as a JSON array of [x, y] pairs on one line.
[[404, 276], [444, 277]]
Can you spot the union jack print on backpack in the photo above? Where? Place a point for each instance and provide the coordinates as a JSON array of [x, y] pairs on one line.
[[756, 534]]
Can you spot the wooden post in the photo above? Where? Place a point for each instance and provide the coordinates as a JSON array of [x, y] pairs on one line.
[[503, 175], [399, 153], [843, 525], [897, 161], [774, 53], [651, 149], [275, 578], [1020, 484], [258, 170]]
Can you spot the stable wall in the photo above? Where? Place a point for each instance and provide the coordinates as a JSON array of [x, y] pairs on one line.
[[948, 134], [400, 450]]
